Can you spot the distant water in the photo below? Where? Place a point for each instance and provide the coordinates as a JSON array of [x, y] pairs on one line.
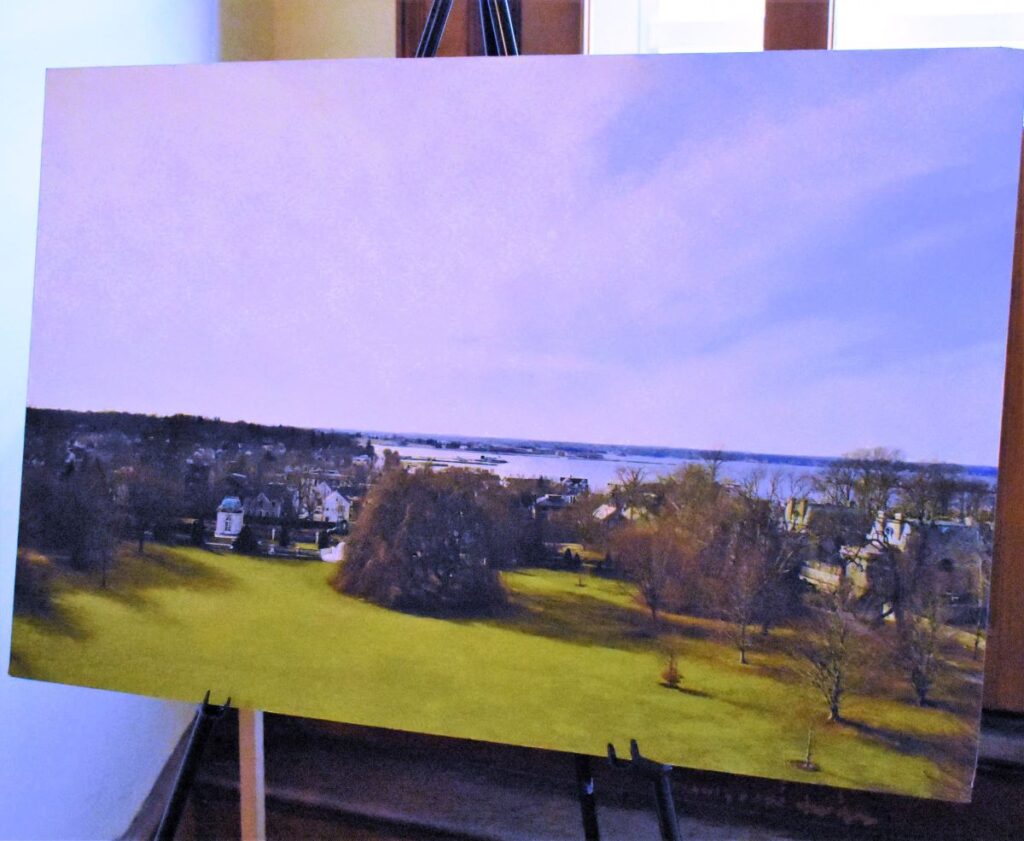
[[792, 475], [598, 472]]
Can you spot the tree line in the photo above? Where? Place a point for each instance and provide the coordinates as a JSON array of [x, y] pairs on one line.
[[690, 543]]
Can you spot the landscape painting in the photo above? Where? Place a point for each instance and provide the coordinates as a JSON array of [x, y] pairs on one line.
[[544, 401]]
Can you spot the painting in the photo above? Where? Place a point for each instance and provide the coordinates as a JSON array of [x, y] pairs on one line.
[[547, 401]]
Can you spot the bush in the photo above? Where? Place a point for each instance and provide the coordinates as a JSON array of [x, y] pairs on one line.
[[670, 676], [197, 533], [246, 542], [283, 537], [33, 583]]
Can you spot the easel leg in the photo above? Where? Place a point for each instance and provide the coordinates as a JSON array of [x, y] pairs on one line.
[[206, 716], [667, 820], [251, 775], [588, 802]]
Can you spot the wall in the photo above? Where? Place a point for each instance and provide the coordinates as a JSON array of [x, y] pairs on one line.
[[295, 29], [74, 763]]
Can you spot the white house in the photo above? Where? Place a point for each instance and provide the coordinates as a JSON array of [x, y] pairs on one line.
[[336, 507], [230, 517]]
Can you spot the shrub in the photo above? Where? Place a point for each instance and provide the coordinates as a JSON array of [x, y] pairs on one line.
[[197, 534], [670, 676], [33, 583], [246, 542]]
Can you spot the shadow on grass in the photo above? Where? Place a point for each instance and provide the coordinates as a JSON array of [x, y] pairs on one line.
[[951, 755], [580, 618], [133, 575], [56, 619], [131, 578], [685, 690]]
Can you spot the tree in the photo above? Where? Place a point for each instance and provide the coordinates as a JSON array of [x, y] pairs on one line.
[[80, 517], [897, 571], [149, 501], [829, 656], [918, 647], [628, 489], [432, 542], [774, 555], [652, 556], [392, 460], [836, 484], [713, 461], [33, 583], [284, 537], [246, 542], [197, 534], [745, 587], [670, 676], [928, 490], [877, 476], [982, 586]]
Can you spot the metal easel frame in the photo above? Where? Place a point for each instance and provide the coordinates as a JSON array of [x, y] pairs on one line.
[[207, 715], [495, 21]]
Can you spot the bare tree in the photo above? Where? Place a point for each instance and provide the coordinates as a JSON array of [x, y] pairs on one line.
[[746, 584], [929, 489], [652, 556], [919, 644], [629, 487], [713, 460], [876, 476], [836, 484], [750, 487], [149, 501], [829, 656]]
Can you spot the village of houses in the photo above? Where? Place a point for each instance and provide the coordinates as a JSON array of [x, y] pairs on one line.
[[297, 495], [326, 501]]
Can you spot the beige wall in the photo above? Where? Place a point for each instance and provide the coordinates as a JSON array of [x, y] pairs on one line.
[[283, 29]]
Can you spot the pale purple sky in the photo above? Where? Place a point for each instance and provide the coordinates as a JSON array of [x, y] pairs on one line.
[[795, 253]]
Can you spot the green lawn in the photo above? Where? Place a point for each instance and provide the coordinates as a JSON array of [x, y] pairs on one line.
[[565, 667]]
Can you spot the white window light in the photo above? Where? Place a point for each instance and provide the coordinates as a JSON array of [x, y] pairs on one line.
[[893, 24], [675, 26]]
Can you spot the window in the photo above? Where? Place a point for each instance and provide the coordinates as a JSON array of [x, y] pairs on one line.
[[882, 24], [675, 26]]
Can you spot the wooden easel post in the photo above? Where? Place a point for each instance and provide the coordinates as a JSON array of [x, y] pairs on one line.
[[251, 776]]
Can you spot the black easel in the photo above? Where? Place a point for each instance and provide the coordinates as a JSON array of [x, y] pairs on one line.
[[207, 715], [495, 20], [659, 776]]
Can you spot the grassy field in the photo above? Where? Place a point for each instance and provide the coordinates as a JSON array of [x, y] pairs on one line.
[[564, 667]]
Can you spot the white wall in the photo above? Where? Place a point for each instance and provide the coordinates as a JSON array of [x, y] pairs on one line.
[[74, 763]]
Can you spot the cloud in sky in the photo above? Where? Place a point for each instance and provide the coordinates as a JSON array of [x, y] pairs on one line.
[[785, 253]]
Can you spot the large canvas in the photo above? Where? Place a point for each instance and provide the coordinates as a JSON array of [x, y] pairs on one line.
[[545, 401]]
